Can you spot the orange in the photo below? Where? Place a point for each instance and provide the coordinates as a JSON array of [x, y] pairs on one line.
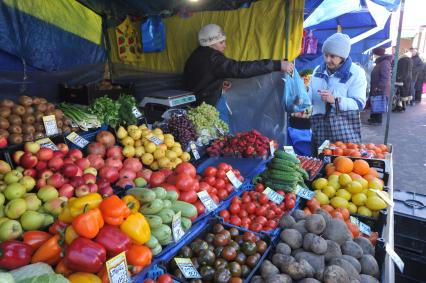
[[378, 150], [369, 177], [344, 211], [343, 146], [353, 228], [383, 147], [361, 167], [327, 207], [337, 214], [362, 145], [329, 168], [356, 153], [370, 146], [338, 151], [347, 152], [344, 165], [373, 172], [355, 176], [337, 173], [327, 151], [380, 156], [338, 143], [307, 211]]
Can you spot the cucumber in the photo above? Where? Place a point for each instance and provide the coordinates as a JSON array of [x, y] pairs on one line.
[[152, 207], [162, 233], [303, 172], [167, 203], [172, 195], [152, 243], [186, 223], [281, 167], [281, 154], [157, 249], [187, 209], [166, 215], [154, 221], [142, 194], [283, 162], [289, 177], [160, 193]]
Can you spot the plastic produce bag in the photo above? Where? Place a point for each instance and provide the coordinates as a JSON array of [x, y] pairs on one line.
[[296, 98], [153, 34]]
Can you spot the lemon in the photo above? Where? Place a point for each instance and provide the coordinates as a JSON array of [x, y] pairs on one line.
[[370, 193], [128, 141], [317, 191], [335, 184], [139, 151], [138, 143], [359, 199], [135, 134], [362, 210], [143, 127], [145, 132], [169, 142], [159, 153], [185, 156], [147, 158], [363, 182], [339, 202], [354, 187], [178, 150], [150, 147], [322, 198], [375, 184], [343, 194], [344, 179], [171, 154], [329, 191], [121, 133], [157, 131], [178, 144], [319, 183], [129, 151], [333, 178], [352, 207], [154, 165], [375, 203], [164, 162], [163, 147], [178, 161], [132, 127]]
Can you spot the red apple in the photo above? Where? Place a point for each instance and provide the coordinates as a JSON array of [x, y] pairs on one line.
[[3, 141], [40, 183], [102, 183], [79, 172], [91, 170], [56, 180], [76, 181], [55, 163], [30, 172], [114, 162], [133, 163], [70, 170], [93, 188], [28, 160], [68, 160], [75, 154], [96, 148], [41, 165], [45, 174], [96, 161], [66, 191], [106, 191], [58, 154], [31, 147], [125, 183], [82, 190], [127, 173], [16, 156], [45, 154], [146, 174], [109, 173], [115, 152], [63, 148], [89, 178], [83, 163]]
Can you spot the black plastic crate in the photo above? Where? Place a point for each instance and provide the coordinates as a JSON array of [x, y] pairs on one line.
[[414, 266]]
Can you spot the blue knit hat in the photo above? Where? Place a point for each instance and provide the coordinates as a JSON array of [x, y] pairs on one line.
[[338, 44]]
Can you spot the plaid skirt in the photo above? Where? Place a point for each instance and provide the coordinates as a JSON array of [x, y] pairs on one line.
[[345, 127]]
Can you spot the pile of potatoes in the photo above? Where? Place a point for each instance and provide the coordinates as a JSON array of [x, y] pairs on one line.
[[22, 121], [318, 248]]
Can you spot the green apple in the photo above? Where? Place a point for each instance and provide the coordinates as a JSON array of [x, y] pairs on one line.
[[28, 182], [48, 220], [10, 230], [14, 191], [15, 208], [47, 193], [3, 219], [3, 186], [140, 182], [2, 211], [2, 199], [12, 177], [33, 202], [20, 169], [32, 220], [54, 206], [42, 210]]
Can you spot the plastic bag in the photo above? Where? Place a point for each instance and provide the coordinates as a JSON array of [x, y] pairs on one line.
[[153, 35], [296, 98]]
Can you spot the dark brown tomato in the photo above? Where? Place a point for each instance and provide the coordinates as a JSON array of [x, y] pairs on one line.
[[229, 253]]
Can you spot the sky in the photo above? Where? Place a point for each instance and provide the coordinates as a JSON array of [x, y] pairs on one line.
[[414, 14]]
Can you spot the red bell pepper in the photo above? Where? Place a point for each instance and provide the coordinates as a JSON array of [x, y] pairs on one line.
[[14, 254], [113, 240], [58, 227], [85, 255]]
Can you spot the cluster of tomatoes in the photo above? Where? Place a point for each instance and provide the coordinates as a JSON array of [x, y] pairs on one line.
[[254, 210], [165, 278]]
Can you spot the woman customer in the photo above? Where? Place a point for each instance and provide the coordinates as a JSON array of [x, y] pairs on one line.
[[338, 92], [380, 82]]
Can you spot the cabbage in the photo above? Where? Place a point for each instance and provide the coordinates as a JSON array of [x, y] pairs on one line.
[[46, 278], [6, 277], [30, 271]]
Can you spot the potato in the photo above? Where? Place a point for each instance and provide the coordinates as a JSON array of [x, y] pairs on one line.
[[297, 251], [369, 266], [309, 280], [287, 221], [337, 231], [347, 266], [284, 262], [368, 279], [256, 279], [315, 223], [355, 263], [278, 259], [299, 270], [279, 278], [298, 215], [333, 250], [325, 214], [267, 269], [353, 249], [366, 245], [300, 226], [319, 245], [283, 248], [316, 261], [292, 238], [354, 281], [335, 274], [307, 241]]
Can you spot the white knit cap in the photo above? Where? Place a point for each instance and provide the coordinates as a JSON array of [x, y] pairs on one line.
[[211, 34], [338, 44]]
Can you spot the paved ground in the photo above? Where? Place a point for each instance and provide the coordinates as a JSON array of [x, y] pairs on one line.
[[408, 136]]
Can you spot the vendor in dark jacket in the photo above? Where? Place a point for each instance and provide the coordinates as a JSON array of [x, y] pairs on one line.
[[207, 67]]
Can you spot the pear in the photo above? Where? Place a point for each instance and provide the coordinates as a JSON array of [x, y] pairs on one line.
[[121, 133], [32, 220]]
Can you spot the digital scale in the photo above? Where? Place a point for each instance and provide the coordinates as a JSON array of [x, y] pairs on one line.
[[156, 103]]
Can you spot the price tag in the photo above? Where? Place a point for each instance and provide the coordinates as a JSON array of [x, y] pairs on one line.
[[77, 140], [273, 195], [117, 269], [47, 143], [233, 179], [194, 151], [207, 200], [304, 193], [272, 148], [219, 129], [383, 196], [327, 159], [177, 227], [188, 269], [156, 140], [395, 257], [364, 228], [136, 112], [289, 149], [50, 125], [325, 144]]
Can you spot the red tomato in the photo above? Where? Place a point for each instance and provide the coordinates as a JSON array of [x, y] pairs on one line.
[[224, 166], [210, 171], [252, 217], [225, 215], [221, 174], [204, 186], [256, 227], [165, 278], [259, 187], [270, 214], [222, 194], [281, 193], [171, 179], [229, 187], [215, 198], [166, 172], [234, 208], [277, 211], [219, 184], [200, 207], [261, 211], [198, 177], [237, 173], [157, 178], [213, 190], [253, 195], [189, 196], [246, 221], [249, 237], [272, 224], [235, 220], [236, 200], [184, 182], [291, 196], [169, 187], [273, 205], [263, 199], [187, 168], [210, 180], [242, 214], [261, 220], [195, 186], [241, 178], [245, 226], [251, 208], [246, 199], [289, 203], [246, 194]]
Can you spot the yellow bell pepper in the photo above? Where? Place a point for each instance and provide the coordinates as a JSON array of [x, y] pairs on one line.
[[65, 215], [132, 203], [84, 277], [137, 228], [85, 203], [70, 234]]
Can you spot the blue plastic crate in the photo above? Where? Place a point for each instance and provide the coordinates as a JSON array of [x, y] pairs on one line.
[[152, 271]]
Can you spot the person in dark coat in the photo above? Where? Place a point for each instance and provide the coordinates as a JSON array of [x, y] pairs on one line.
[[404, 74], [207, 68], [417, 75], [380, 80]]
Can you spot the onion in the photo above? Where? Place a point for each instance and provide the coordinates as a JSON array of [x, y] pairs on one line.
[[106, 138]]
